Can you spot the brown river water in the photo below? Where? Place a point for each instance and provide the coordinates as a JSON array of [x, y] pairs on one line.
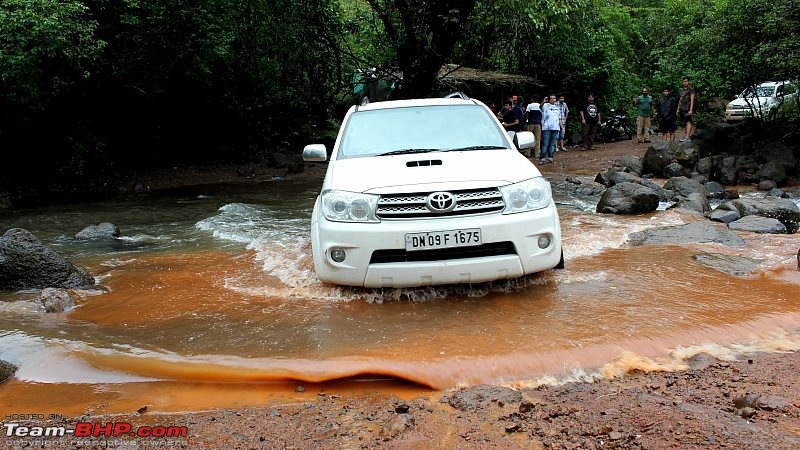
[[210, 300]]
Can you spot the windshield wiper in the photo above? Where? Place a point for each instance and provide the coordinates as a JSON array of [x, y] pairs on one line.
[[410, 150], [478, 147]]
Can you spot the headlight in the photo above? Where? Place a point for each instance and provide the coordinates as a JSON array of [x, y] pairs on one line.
[[343, 206], [528, 195]]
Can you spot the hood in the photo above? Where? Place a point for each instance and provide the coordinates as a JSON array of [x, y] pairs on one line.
[[474, 168]]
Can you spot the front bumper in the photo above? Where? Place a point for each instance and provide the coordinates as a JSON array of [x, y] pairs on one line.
[[360, 240]]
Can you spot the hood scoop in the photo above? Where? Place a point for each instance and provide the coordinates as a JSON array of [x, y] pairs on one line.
[[424, 163]]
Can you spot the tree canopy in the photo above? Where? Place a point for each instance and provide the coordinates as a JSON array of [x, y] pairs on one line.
[[88, 87]]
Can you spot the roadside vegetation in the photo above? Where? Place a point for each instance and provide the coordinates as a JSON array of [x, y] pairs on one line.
[[92, 87]]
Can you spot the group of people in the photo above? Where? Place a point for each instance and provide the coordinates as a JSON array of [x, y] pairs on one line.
[[668, 110], [548, 119]]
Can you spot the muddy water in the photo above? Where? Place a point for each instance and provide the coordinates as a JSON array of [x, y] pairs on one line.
[[210, 300]]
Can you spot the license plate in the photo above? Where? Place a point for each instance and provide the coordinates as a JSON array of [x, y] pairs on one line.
[[443, 239]]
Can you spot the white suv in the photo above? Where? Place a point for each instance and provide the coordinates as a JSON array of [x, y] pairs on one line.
[[430, 191], [759, 100]]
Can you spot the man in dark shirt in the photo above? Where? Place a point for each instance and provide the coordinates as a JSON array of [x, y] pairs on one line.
[[510, 121], [590, 117], [667, 114]]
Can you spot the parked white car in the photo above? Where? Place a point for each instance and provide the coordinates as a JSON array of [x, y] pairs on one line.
[[427, 192], [759, 101]]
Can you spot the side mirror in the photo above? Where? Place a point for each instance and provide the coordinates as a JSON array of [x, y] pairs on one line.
[[315, 153], [524, 139]]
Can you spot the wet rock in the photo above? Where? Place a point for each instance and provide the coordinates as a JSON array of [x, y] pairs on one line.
[[572, 180], [613, 177], [55, 300], [513, 427], [779, 153], [724, 216], [715, 190], [683, 186], [757, 224], [482, 396], [299, 389], [104, 230], [730, 264], [777, 208], [657, 157], [704, 165], [674, 170], [628, 198], [767, 185], [777, 193], [727, 170], [630, 164], [694, 202], [26, 263], [772, 171], [401, 409], [7, 370], [686, 234]]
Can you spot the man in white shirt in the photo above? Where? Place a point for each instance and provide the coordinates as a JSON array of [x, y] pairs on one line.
[[551, 127]]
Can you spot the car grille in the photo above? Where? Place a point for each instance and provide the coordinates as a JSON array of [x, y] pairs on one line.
[[443, 254], [413, 206]]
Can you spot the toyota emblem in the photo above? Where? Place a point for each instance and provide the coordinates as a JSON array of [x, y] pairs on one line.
[[441, 202]]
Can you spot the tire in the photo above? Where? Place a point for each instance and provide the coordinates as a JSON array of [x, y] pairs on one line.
[[560, 264]]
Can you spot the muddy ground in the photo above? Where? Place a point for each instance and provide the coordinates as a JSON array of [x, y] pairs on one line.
[[750, 403]]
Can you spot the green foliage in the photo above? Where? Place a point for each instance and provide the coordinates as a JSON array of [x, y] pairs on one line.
[[87, 86], [45, 46]]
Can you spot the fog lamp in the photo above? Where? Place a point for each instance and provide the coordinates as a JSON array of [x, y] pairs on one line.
[[337, 254], [544, 241]]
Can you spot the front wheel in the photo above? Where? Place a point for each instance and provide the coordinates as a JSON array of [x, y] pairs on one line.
[[560, 264]]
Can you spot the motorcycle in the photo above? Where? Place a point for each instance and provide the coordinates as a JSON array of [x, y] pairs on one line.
[[615, 128]]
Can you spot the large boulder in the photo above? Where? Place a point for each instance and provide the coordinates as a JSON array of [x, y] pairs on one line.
[[632, 164], [694, 202], [101, 231], [784, 210], [772, 171], [683, 186], [628, 198], [26, 263], [689, 233], [657, 158], [779, 153], [724, 215], [726, 169], [758, 224]]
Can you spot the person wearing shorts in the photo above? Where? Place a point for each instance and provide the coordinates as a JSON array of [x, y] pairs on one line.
[[686, 109], [667, 114]]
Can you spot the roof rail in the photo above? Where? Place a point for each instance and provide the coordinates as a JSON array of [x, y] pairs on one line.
[[457, 94]]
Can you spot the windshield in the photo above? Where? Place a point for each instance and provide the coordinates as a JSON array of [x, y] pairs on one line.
[[419, 129], [761, 91]]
